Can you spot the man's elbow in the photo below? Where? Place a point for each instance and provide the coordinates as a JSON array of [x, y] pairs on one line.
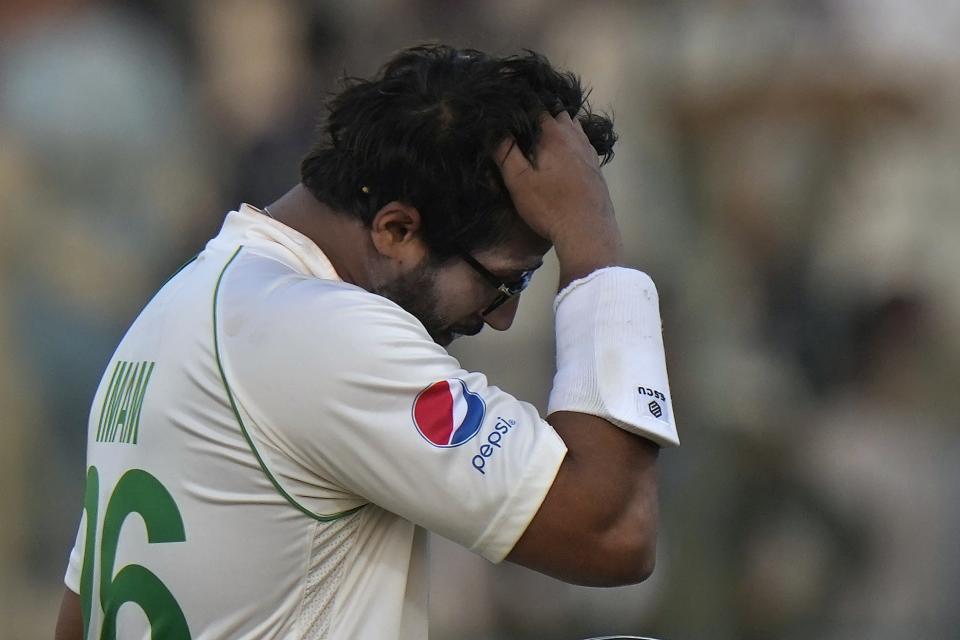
[[615, 554], [644, 561], [628, 543], [628, 557]]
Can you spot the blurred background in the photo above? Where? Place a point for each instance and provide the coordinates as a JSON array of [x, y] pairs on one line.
[[788, 171]]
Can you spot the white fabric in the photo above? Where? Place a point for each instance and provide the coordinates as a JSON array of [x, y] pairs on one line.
[[280, 417], [610, 358]]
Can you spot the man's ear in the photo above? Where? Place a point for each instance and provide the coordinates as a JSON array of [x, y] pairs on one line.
[[395, 233]]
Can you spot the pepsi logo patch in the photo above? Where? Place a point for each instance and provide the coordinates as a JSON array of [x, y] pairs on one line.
[[447, 414]]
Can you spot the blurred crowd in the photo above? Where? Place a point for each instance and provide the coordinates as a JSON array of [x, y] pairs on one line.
[[787, 171]]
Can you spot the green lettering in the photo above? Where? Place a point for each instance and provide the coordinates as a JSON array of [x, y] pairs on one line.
[[90, 499], [136, 492]]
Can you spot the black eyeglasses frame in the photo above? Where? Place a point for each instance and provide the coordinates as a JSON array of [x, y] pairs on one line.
[[506, 290]]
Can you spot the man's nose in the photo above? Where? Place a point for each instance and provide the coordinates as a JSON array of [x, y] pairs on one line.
[[502, 317]]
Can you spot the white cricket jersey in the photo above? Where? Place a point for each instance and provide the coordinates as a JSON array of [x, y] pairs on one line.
[[269, 444]]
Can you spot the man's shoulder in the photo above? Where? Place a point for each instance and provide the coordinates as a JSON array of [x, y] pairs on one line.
[[312, 337], [268, 295]]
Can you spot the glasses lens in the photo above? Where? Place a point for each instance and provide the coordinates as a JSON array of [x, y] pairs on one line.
[[521, 284], [509, 290]]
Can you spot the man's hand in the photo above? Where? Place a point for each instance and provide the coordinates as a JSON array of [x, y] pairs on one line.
[[564, 198]]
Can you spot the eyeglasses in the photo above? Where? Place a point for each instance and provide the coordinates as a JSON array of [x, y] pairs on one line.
[[506, 290]]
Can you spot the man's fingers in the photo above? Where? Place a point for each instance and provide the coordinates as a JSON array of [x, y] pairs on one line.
[[560, 129], [510, 159], [579, 127], [551, 125], [562, 121], [503, 150]]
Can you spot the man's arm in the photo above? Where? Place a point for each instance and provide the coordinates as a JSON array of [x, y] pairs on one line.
[[70, 621], [598, 522]]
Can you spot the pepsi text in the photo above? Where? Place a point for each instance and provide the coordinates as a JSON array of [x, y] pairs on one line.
[[492, 443]]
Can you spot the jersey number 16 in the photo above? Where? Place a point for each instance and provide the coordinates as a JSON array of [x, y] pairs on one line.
[[136, 492]]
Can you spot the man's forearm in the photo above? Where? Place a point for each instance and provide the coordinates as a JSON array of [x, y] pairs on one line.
[[584, 249]]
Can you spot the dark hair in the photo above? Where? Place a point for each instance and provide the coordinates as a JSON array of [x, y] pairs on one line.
[[423, 132]]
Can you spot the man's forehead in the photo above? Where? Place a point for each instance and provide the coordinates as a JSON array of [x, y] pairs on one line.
[[519, 251]]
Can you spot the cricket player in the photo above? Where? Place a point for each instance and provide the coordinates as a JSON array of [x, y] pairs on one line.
[[282, 424]]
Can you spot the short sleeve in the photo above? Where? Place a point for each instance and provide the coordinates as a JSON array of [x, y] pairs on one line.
[[75, 564], [349, 387]]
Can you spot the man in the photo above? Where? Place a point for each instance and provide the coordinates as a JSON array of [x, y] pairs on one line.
[[286, 424]]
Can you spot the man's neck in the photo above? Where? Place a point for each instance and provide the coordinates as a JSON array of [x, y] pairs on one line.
[[343, 239]]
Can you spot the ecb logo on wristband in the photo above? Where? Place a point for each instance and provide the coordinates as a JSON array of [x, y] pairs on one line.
[[655, 409], [654, 402], [447, 414]]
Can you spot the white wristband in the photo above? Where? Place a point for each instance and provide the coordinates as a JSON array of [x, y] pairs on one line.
[[610, 359]]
